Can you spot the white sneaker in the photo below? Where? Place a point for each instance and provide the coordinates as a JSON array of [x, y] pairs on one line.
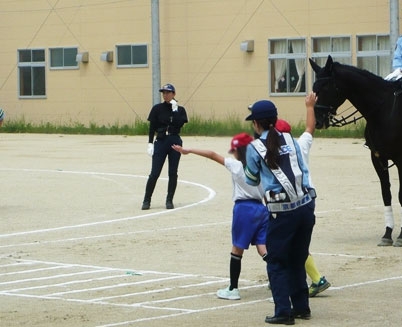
[[228, 295]]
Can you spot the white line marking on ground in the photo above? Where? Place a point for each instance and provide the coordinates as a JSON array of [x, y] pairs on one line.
[[152, 304], [146, 304], [114, 286], [74, 239], [50, 277], [335, 288], [211, 195], [344, 255]]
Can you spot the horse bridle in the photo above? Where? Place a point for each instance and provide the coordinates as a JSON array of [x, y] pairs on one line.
[[329, 110]]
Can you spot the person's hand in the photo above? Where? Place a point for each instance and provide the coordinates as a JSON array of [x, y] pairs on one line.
[[178, 148], [395, 75], [174, 105], [311, 99], [150, 149], [310, 102]]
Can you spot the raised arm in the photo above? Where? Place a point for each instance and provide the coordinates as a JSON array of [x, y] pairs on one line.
[[203, 153], [310, 101]]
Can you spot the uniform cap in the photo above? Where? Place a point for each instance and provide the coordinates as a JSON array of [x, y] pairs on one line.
[[167, 87], [262, 109], [282, 126], [239, 140]]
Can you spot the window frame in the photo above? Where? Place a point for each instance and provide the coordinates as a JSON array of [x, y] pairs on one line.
[[378, 54], [344, 57], [132, 46], [32, 65], [286, 56], [63, 66]]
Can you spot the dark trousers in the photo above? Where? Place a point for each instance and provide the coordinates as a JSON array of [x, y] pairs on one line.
[[163, 149], [288, 241]]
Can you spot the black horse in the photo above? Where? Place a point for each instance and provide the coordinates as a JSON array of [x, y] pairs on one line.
[[380, 103]]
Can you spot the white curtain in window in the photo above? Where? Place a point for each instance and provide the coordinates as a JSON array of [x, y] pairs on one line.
[[280, 67], [370, 44], [323, 45], [340, 44], [384, 63], [298, 47], [279, 64]]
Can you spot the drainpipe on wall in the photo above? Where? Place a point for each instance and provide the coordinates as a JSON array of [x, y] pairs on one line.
[[394, 25], [156, 66]]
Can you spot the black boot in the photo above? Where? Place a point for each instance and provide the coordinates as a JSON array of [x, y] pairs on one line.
[[169, 204], [149, 190], [146, 204], [171, 190]]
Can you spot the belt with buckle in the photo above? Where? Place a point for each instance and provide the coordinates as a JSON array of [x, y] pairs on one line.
[[289, 205]]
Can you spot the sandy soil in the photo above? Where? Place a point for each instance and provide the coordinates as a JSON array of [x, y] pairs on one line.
[[76, 250]]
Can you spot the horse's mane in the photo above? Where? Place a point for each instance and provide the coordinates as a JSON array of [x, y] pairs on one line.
[[367, 80], [363, 86]]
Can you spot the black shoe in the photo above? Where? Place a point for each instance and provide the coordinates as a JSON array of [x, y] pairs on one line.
[[169, 204], [146, 205], [280, 320], [306, 315]]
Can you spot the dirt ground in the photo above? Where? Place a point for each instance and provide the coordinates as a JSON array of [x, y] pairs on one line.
[[76, 250]]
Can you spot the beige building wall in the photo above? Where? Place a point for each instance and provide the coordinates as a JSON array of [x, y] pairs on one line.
[[200, 53]]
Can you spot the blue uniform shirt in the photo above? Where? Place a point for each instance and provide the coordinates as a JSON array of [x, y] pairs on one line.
[[397, 60], [257, 171]]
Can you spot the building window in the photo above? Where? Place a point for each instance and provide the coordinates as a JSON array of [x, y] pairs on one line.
[[63, 58], [337, 46], [31, 73], [374, 54], [132, 55], [287, 62]]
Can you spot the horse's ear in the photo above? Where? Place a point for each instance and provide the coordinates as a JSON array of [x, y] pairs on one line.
[[314, 65], [329, 63]]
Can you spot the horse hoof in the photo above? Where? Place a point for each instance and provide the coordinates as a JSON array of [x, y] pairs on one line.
[[387, 242], [398, 243]]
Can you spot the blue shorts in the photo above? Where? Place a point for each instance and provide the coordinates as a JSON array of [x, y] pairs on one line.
[[249, 225]]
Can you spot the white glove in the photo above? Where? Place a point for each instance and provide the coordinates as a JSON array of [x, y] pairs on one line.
[[150, 149], [395, 75], [174, 105]]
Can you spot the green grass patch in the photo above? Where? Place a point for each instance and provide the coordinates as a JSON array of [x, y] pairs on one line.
[[197, 126]]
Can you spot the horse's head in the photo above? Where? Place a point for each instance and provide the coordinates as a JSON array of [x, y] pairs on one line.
[[328, 96]]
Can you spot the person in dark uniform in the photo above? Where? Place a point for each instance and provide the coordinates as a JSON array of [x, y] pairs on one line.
[[165, 120], [275, 160]]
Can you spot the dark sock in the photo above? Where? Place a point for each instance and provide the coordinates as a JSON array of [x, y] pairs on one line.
[[235, 268]]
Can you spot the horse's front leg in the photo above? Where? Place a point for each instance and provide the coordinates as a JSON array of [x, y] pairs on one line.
[[381, 168]]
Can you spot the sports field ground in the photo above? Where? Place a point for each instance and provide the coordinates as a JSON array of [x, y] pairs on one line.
[[76, 250]]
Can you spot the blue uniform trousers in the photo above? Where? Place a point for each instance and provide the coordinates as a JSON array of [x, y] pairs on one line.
[[288, 241], [163, 149]]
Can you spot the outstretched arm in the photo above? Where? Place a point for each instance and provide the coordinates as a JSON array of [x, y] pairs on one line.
[[203, 153], [310, 101]]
